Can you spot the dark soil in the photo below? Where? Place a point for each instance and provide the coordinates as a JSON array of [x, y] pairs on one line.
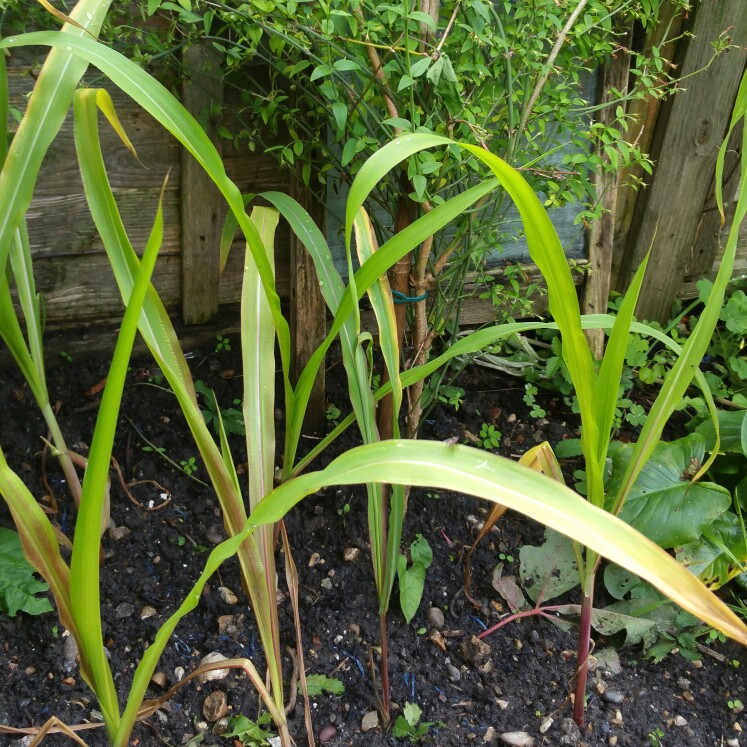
[[156, 556]]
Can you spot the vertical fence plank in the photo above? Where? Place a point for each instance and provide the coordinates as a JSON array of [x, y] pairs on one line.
[[711, 234], [641, 128], [689, 131], [202, 88], [613, 77]]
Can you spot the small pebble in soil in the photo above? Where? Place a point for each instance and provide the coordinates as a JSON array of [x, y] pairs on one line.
[[147, 612], [733, 742], [435, 618], [475, 651], [350, 554], [227, 595], [213, 674], [570, 734], [230, 625], [327, 734], [613, 696], [69, 654], [517, 739], [370, 721], [221, 726], [609, 660], [215, 706], [123, 610], [612, 740], [179, 674], [215, 536], [118, 533], [502, 704], [680, 721], [354, 629], [159, 678], [546, 724], [315, 559], [454, 674], [489, 735], [326, 584], [618, 719]]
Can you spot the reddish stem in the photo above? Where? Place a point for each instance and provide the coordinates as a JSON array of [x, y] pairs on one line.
[[536, 610], [385, 696], [584, 638]]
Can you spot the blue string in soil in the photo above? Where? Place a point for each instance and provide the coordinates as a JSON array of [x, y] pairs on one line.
[[410, 682], [478, 621], [357, 663], [402, 298], [180, 646]]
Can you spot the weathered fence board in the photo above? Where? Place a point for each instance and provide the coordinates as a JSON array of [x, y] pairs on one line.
[[202, 91], [689, 132], [601, 235], [70, 264]]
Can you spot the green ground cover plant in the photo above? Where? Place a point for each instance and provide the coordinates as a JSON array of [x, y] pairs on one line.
[[254, 522]]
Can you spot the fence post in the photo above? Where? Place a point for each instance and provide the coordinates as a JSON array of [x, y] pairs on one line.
[[614, 76], [689, 132], [202, 88]]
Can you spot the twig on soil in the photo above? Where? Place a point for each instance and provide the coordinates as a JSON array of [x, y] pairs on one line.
[[165, 494]]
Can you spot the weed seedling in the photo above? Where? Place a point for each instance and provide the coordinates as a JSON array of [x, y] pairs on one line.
[[66, 356], [490, 437], [223, 343], [452, 396], [319, 684], [189, 466], [531, 392], [332, 413], [250, 733], [655, 737], [343, 511], [736, 705], [409, 726]]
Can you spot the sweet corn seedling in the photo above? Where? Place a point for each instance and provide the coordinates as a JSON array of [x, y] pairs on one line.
[[253, 524]]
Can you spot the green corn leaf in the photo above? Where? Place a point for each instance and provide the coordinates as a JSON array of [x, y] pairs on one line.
[[475, 472], [41, 549], [386, 555], [164, 107], [610, 372], [679, 377], [159, 334], [386, 256], [258, 365], [45, 113], [544, 248], [84, 566], [354, 361]]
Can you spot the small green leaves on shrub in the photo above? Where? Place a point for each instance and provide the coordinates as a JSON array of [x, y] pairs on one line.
[[318, 684], [18, 585]]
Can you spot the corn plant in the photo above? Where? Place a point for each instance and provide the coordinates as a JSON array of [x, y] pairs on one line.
[[597, 392], [394, 462], [21, 161]]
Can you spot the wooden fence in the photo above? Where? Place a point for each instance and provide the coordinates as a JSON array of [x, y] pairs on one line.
[[79, 291]]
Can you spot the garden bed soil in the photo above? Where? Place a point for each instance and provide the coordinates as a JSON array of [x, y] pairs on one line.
[[152, 557]]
